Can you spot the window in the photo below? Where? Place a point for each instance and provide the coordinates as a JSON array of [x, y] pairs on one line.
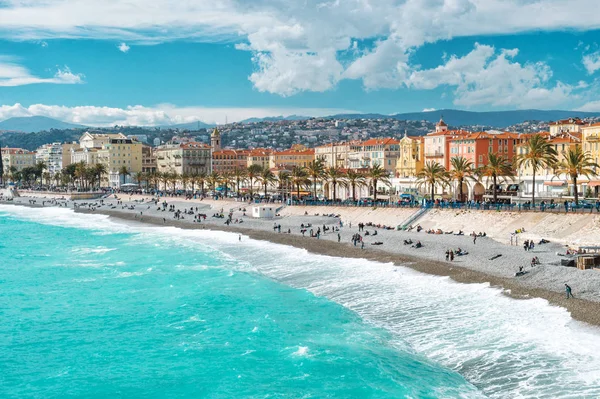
[[481, 159]]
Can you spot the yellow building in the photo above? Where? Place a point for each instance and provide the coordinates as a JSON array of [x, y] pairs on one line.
[[17, 158], [591, 141], [119, 153], [260, 157], [333, 155], [410, 159], [187, 158], [298, 155]]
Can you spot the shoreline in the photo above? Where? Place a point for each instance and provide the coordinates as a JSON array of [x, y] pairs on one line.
[[582, 310], [476, 269]]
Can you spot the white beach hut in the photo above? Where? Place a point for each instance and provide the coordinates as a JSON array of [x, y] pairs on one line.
[[263, 212]]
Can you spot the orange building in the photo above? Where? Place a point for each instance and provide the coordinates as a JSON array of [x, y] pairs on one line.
[[475, 147], [298, 155], [227, 161]]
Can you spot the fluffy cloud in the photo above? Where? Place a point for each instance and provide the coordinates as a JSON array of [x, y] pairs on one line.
[[163, 114], [591, 62], [123, 47], [13, 74], [486, 76], [307, 45]]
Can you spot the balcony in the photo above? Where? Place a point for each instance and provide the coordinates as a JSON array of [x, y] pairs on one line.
[[434, 155]]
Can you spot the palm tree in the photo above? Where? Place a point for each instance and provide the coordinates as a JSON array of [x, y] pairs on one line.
[[226, 181], [316, 171], [201, 181], [100, 170], [336, 177], [355, 179], [378, 174], [267, 177], [123, 171], [299, 178], [284, 182], [497, 167], [185, 178], [576, 163], [461, 169], [253, 173], [80, 173], [155, 179], [538, 153], [39, 168], [239, 175], [213, 180], [432, 174], [164, 177], [174, 179]]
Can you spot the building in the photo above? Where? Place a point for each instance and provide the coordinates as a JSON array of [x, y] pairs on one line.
[[98, 140], [572, 125], [591, 141], [333, 155], [298, 155], [52, 156], [410, 158], [383, 152], [66, 153], [17, 158], [227, 161], [260, 157], [148, 159], [188, 158], [436, 144], [118, 154], [475, 147]]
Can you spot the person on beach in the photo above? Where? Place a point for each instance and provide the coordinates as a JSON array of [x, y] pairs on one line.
[[339, 237], [240, 237], [447, 255], [474, 238], [568, 291], [451, 255]]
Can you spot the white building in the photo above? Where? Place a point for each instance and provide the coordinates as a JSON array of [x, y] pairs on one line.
[[263, 211], [52, 156]]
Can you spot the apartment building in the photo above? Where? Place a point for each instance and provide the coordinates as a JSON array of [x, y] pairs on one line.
[[333, 155], [298, 155], [118, 154], [475, 147], [227, 161], [148, 159], [383, 152], [188, 158], [260, 157], [52, 156], [17, 158]]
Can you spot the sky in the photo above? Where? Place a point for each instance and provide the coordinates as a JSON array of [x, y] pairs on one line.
[[159, 62]]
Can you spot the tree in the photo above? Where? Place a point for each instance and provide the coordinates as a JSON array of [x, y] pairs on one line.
[[284, 182], [355, 179], [239, 176], [336, 177], [2, 175], [267, 177], [123, 171], [100, 170], [377, 174], [164, 178], [299, 178], [461, 169], [213, 180], [496, 167], [538, 153], [431, 175], [226, 181], [316, 172], [200, 179], [253, 172], [38, 171], [577, 163], [80, 174], [185, 178], [173, 178]]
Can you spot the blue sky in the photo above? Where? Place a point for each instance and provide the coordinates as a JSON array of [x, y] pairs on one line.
[[123, 62]]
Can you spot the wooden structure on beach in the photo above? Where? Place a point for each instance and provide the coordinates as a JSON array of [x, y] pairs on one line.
[[588, 261]]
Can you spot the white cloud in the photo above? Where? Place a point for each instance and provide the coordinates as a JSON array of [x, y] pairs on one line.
[[163, 114], [592, 106], [123, 47], [591, 62], [429, 109], [485, 76], [13, 74], [309, 45]]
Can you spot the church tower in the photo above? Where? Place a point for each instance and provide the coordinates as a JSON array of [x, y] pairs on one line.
[[441, 126], [215, 140]]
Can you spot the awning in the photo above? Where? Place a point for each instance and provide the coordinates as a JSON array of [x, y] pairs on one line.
[[594, 183], [555, 183]]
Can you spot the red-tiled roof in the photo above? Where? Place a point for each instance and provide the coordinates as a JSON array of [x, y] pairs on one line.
[[15, 151], [384, 141], [194, 146]]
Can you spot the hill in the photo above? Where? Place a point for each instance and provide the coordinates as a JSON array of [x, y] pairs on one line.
[[276, 119], [188, 126], [498, 119], [32, 124]]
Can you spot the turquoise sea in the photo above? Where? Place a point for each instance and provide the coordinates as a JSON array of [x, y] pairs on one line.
[[93, 308]]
